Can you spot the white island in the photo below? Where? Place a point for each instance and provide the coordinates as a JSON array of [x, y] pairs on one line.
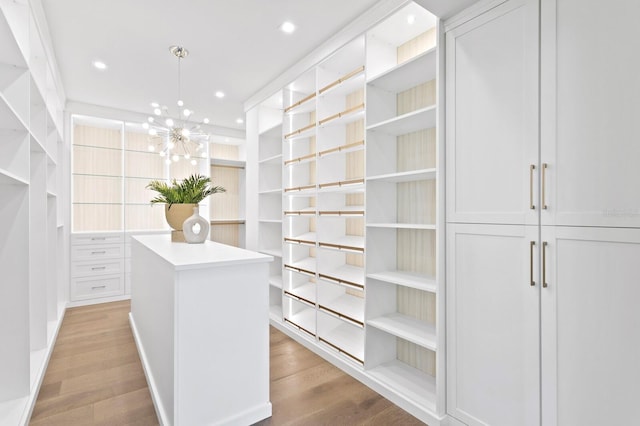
[[200, 318]]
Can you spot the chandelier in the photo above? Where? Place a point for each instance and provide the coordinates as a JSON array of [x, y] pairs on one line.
[[179, 139]]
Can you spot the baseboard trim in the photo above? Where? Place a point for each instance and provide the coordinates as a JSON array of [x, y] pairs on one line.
[[87, 302]]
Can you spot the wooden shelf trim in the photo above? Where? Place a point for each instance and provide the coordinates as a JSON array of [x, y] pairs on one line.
[[300, 130], [299, 159], [342, 183], [298, 241], [341, 148], [342, 79], [341, 315], [342, 247], [299, 327], [300, 102], [341, 114], [341, 213], [228, 222], [299, 212], [300, 188], [302, 271], [300, 299], [341, 281], [342, 351]]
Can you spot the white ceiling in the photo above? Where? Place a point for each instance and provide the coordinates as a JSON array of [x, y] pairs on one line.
[[235, 46]]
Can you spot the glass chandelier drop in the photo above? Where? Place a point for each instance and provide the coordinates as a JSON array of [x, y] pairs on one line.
[[179, 139]]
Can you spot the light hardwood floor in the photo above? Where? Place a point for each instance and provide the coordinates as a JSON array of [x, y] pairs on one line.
[[95, 378]]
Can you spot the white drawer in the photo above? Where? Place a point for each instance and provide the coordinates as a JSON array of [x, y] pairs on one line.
[[97, 238], [93, 287], [103, 267], [96, 252]]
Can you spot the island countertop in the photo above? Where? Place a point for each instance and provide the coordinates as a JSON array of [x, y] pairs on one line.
[[185, 256]]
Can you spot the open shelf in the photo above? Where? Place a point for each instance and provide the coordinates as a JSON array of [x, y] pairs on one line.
[[346, 339], [308, 211], [345, 242], [343, 211], [308, 238], [304, 320], [348, 275], [344, 185], [346, 307], [301, 160], [407, 279], [402, 225], [414, 384], [276, 159], [422, 118], [275, 281], [304, 266], [271, 191], [304, 105], [347, 83], [305, 293], [414, 175], [419, 332], [408, 74], [349, 115], [349, 147], [302, 132]]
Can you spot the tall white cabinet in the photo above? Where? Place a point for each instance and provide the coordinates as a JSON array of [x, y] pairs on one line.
[[542, 220], [33, 237]]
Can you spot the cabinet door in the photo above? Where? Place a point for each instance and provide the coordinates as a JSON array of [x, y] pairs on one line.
[[493, 324], [590, 109], [590, 323], [492, 116]]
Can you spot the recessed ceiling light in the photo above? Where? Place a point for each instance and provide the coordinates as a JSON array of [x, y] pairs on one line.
[[219, 94], [287, 27], [154, 105], [99, 65], [205, 121], [239, 121], [411, 19]]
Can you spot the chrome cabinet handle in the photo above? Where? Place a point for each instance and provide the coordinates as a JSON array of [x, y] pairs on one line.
[[531, 245], [544, 168], [532, 206], [544, 264]]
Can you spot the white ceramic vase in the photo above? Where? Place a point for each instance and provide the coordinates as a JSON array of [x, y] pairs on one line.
[[190, 235]]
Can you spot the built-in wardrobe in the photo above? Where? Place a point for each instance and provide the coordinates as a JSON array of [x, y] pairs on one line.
[[543, 211]]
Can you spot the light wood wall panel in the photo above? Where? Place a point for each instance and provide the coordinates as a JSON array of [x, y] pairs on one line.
[[416, 356], [143, 165], [420, 96], [226, 234], [224, 151], [97, 217], [416, 251], [416, 45], [144, 217], [136, 192], [97, 189], [97, 161], [416, 202], [416, 150], [225, 205], [96, 136], [182, 169], [354, 199], [134, 141]]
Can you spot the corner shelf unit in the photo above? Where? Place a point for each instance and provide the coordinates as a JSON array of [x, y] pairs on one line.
[[361, 214], [34, 236]]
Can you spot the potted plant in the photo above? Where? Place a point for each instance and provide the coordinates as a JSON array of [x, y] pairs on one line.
[[180, 198]]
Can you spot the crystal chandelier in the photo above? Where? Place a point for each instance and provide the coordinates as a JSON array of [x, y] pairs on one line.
[[176, 139]]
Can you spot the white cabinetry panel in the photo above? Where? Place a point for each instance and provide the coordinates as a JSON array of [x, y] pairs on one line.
[[493, 331]]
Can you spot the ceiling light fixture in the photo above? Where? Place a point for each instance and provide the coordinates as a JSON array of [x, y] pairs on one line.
[[99, 65], [180, 138], [239, 120], [287, 27], [219, 94], [411, 19]]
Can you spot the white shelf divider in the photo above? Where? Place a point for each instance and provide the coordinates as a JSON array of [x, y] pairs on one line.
[[422, 118], [407, 279], [414, 384], [419, 332]]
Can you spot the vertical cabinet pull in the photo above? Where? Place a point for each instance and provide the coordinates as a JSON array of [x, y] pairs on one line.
[[532, 206], [544, 264], [543, 202], [531, 245]]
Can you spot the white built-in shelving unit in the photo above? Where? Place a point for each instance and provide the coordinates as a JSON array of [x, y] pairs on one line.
[[359, 231], [33, 235]]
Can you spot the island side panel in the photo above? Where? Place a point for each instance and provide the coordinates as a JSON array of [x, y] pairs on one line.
[[152, 312], [222, 347]]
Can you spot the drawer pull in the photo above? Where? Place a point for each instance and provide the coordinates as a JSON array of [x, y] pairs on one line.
[[99, 252], [98, 268], [98, 238], [96, 287]]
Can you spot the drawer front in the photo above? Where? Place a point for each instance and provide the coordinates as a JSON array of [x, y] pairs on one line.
[[94, 287], [105, 267], [96, 252], [83, 239]]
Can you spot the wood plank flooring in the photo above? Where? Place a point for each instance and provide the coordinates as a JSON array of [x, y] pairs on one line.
[[95, 378]]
